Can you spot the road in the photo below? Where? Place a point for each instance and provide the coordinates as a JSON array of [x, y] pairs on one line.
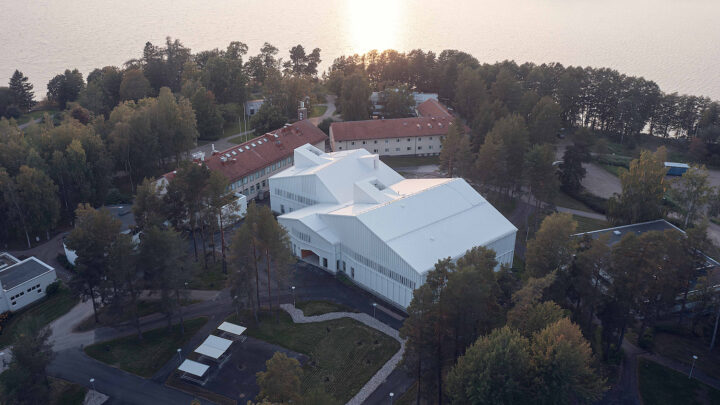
[[331, 108]]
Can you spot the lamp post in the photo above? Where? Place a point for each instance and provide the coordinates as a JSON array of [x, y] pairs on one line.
[[391, 397], [293, 294], [92, 382], [179, 352], [374, 307], [692, 367]]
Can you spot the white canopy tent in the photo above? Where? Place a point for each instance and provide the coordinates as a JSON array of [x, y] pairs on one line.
[[194, 371], [215, 348], [232, 331]]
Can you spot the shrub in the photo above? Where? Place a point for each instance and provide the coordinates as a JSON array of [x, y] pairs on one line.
[[52, 288], [114, 197], [646, 339], [62, 259]]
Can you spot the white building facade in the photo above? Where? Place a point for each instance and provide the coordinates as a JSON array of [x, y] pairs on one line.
[[23, 281], [349, 212]]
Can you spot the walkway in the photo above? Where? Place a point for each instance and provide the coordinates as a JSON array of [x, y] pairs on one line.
[[384, 372], [580, 213], [330, 102]]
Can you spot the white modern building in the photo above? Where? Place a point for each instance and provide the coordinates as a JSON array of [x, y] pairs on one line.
[[349, 212], [22, 282]]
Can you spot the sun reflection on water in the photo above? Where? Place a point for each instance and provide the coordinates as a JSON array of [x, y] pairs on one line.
[[374, 24]]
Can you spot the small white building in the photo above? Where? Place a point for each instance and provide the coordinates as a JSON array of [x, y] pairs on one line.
[[22, 281], [349, 212], [253, 106]]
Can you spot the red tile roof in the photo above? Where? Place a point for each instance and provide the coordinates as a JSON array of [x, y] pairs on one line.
[[393, 128], [432, 108], [434, 119], [263, 150]]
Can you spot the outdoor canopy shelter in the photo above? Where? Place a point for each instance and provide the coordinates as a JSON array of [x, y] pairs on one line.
[[232, 331], [215, 348], [194, 371]]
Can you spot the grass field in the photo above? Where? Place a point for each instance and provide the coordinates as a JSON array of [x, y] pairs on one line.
[[614, 170], [211, 278], [145, 357], [318, 110], [343, 353], [566, 201], [46, 310], [312, 308], [233, 128], [145, 307], [660, 385], [590, 224], [682, 348]]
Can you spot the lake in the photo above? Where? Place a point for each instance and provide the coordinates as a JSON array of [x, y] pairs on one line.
[[673, 42]]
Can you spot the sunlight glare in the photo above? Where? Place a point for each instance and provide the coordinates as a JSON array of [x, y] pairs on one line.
[[373, 24]]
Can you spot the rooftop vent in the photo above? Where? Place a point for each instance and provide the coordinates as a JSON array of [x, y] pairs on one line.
[[429, 125], [223, 159], [275, 135], [440, 124], [247, 147], [240, 149], [253, 144], [404, 124], [227, 155], [234, 153], [418, 126]]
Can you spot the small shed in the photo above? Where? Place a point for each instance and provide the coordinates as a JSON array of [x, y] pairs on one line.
[[194, 371], [676, 169]]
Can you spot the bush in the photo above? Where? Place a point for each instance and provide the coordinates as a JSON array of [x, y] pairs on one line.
[[52, 288], [594, 202], [13, 111], [614, 160], [63, 260], [114, 197], [646, 339], [325, 125]]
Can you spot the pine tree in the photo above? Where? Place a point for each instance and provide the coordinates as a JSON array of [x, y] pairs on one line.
[[21, 90]]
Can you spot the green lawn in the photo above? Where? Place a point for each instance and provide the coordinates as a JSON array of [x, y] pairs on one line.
[[25, 118], [233, 128], [590, 224], [46, 310], [614, 170], [682, 348], [312, 308], [145, 357], [318, 110], [211, 278], [566, 201], [409, 161], [660, 385], [343, 353], [66, 393], [145, 307]]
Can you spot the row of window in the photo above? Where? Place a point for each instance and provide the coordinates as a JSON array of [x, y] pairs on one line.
[[294, 197], [379, 268], [260, 173], [302, 236], [21, 293], [419, 139]]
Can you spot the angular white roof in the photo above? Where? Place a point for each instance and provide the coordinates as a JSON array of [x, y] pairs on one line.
[[422, 220], [232, 328], [193, 367], [214, 347]]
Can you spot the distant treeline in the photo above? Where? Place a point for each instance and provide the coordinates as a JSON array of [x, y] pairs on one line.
[[598, 98]]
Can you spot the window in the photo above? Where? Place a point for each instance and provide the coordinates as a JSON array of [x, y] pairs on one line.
[[419, 139], [352, 143], [374, 150], [386, 149], [398, 140], [363, 142], [419, 147], [282, 208], [431, 138], [325, 262], [344, 267], [39, 290], [263, 183], [14, 302], [337, 264], [386, 141], [430, 147], [408, 139], [252, 188], [397, 149], [375, 141], [352, 272], [290, 209], [340, 148], [440, 147], [29, 289], [408, 148]]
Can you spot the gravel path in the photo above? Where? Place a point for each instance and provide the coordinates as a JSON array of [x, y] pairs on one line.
[[298, 317]]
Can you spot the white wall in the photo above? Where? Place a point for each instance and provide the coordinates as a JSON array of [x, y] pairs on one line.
[[417, 145], [23, 297]]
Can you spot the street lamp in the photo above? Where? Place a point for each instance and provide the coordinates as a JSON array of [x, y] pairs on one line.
[[179, 351], [293, 293], [692, 367], [92, 382], [374, 307], [391, 397]]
